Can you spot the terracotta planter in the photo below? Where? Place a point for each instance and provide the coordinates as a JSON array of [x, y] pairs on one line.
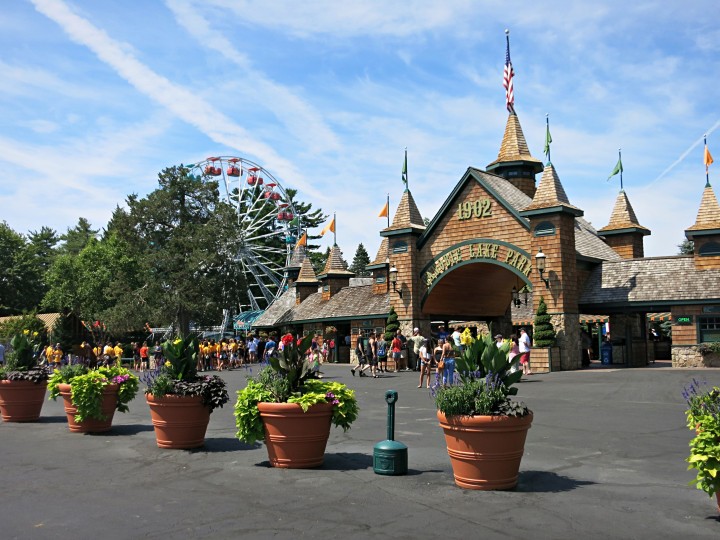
[[179, 421], [485, 451], [296, 439], [21, 401], [90, 425]]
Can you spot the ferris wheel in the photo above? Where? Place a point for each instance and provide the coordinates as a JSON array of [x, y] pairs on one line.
[[268, 226]]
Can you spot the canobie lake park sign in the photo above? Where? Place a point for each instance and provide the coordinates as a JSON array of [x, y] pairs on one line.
[[488, 251]]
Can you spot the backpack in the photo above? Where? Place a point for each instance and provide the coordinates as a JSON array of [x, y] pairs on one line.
[[381, 348]]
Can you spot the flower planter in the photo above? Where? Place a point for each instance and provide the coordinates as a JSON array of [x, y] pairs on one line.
[[296, 439], [21, 401], [180, 422], [485, 451], [90, 425]]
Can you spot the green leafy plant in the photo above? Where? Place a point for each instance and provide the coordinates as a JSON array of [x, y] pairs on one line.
[[485, 381], [21, 363], [543, 330], [703, 418], [288, 379], [392, 325], [87, 386], [712, 347], [178, 375]]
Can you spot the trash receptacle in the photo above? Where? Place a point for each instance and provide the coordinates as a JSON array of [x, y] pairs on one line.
[[606, 353]]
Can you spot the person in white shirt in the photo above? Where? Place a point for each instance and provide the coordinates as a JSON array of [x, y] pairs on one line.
[[524, 345]]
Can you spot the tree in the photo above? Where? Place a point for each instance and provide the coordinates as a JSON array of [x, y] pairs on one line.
[[360, 261], [392, 325], [543, 330], [184, 237], [75, 239], [310, 219], [20, 279], [687, 247]]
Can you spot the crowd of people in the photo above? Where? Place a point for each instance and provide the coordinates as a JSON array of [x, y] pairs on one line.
[[427, 355]]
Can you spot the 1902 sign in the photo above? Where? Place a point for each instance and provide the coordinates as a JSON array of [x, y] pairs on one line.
[[479, 208]]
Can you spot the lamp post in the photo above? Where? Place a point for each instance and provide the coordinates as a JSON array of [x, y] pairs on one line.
[[540, 265]]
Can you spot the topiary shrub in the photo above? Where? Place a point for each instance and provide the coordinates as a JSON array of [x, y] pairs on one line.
[[543, 330], [392, 325]]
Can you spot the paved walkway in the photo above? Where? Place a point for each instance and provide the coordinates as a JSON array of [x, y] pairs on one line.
[[604, 459]]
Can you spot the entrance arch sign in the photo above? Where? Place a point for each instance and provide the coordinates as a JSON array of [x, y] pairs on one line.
[[478, 250]]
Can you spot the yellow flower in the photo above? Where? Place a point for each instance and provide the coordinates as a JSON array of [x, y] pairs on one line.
[[35, 334], [178, 340], [26, 332], [466, 337], [168, 364]]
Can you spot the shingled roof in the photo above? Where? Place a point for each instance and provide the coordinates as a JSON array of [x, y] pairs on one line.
[[623, 216], [650, 281], [550, 193], [277, 310], [708, 216], [335, 265], [513, 147], [382, 253], [299, 254], [307, 273], [407, 214]]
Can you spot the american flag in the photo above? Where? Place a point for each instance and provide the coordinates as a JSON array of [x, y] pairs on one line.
[[508, 75]]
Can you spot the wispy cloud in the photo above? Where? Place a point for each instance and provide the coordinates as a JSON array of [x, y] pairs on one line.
[[182, 102]]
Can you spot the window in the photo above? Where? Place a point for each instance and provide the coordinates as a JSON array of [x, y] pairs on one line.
[[544, 228], [711, 249], [709, 329]]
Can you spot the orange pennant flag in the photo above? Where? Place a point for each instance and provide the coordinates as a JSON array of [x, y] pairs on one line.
[[329, 227], [302, 241], [384, 211], [708, 158]]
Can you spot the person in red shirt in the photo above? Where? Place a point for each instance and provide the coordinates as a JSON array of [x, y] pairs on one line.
[[144, 357], [396, 348]]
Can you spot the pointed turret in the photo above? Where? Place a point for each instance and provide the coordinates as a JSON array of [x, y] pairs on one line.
[[624, 233], [335, 275], [514, 161], [306, 283], [296, 259], [705, 233], [379, 268], [550, 196], [407, 215]]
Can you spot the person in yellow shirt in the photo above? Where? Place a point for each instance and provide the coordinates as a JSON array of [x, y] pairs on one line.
[[49, 354], [57, 356], [117, 353]]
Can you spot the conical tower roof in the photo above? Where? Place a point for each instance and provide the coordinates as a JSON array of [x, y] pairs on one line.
[[335, 264], [514, 148], [551, 194], [382, 253], [307, 274], [708, 216], [623, 216], [298, 256], [407, 214]]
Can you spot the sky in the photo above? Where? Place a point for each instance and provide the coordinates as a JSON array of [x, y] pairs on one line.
[[96, 98]]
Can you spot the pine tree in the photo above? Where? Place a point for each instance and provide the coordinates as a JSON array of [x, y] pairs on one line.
[[392, 325], [63, 332], [543, 330], [360, 261]]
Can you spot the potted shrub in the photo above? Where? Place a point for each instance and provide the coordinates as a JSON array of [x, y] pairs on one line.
[[703, 418], [22, 380], [91, 396], [484, 428], [181, 401], [290, 410]]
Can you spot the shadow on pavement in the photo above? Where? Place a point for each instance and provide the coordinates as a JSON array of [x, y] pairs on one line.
[[52, 420], [127, 429], [224, 444], [547, 482]]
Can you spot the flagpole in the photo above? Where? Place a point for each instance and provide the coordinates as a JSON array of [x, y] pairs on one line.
[[621, 169], [707, 165], [388, 209], [548, 139], [334, 229]]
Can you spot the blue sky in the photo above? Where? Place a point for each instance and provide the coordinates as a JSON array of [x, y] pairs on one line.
[[97, 97]]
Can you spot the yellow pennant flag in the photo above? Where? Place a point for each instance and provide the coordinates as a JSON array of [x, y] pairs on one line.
[[329, 227], [384, 211], [302, 241], [708, 158]]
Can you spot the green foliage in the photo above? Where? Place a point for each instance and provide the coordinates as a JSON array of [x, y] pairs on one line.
[[181, 353], [486, 381], [25, 351], [392, 325], [63, 332], [87, 386], [703, 417], [77, 238], [291, 363], [360, 261], [269, 387], [686, 247], [16, 325], [543, 330], [712, 347], [21, 284]]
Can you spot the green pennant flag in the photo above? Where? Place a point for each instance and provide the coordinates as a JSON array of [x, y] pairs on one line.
[[404, 171], [548, 140], [618, 169]]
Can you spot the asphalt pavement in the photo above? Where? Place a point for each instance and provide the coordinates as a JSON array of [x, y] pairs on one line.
[[605, 458]]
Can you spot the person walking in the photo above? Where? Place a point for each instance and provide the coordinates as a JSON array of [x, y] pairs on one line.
[[437, 355], [415, 342], [396, 348], [361, 357], [372, 355], [425, 358], [514, 352], [382, 353], [447, 361], [525, 346]]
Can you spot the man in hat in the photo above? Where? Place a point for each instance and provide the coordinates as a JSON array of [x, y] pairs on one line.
[[499, 340]]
